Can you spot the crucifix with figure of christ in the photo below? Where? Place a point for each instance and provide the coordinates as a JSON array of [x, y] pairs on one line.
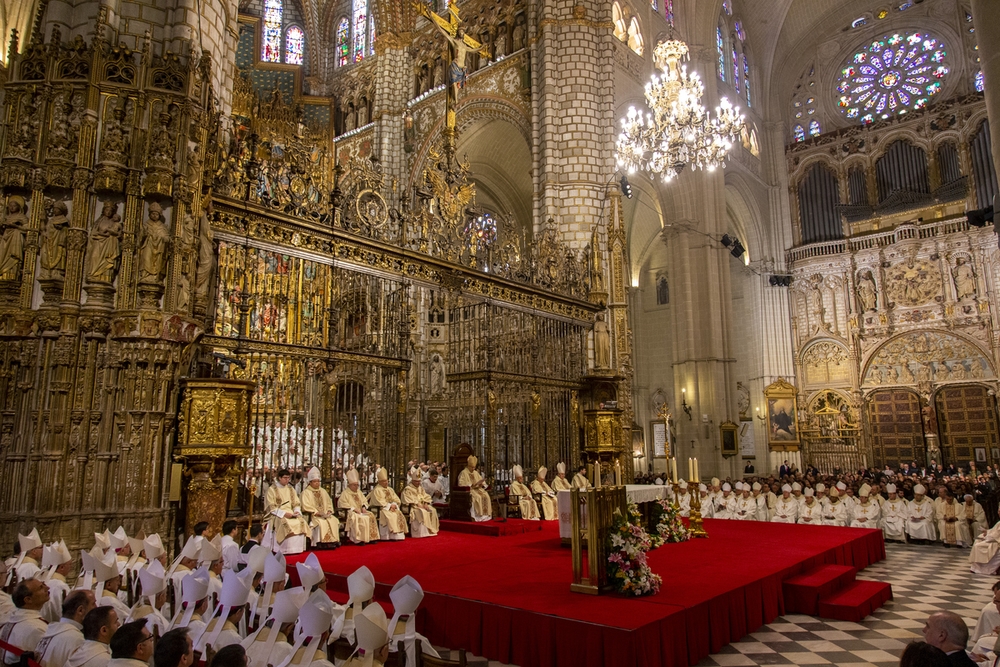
[[459, 47]]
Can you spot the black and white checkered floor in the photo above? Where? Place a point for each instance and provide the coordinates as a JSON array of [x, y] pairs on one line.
[[924, 579]]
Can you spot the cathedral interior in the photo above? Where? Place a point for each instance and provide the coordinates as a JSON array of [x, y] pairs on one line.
[[278, 233]]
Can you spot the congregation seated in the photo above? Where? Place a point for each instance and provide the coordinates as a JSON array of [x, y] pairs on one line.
[[64, 636], [482, 507], [392, 523], [423, 516], [99, 626], [525, 500], [318, 506], [284, 510], [25, 627], [542, 490], [361, 524]]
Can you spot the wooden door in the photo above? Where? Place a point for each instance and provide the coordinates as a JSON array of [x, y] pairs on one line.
[[896, 427], [967, 424]]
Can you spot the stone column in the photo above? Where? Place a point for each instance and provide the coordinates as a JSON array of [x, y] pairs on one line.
[[393, 81], [987, 21]]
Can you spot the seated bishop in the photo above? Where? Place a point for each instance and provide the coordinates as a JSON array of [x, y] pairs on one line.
[[540, 486], [316, 502], [529, 508], [284, 509], [560, 483], [482, 507], [361, 524], [894, 516], [920, 516], [392, 523], [31, 548], [423, 516]]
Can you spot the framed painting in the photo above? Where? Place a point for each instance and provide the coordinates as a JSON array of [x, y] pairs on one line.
[[782, 412], [728, 438]]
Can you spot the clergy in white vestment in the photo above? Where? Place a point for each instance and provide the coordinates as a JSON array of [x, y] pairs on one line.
[[392, 523], [985, 555], [25, 627], [707, 506], [423, 516], [269, 644], [57, 564], [361, 524], [989, 617], [373, 638], [193, 605], [745, 508], [482, 507], [786, 508], [312, 628], [230, 548], [684, 499], [952, 526], [108, 581], [847, 499], [316, 502], [822, 499], [540, 486], [64, 636], [810, 511], [894, 515], [221, 627], [974, 516], [527, 504], [580, 480], [920, 520], [434, 486], [99, 625], [153, 598], [761, 501], [28, 561], [797, 493], [835, 513], [560, 483], [867, 512], [284, 509], [725, 502]]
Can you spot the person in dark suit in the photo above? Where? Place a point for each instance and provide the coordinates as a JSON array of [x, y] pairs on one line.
[[748, 467], [785, 469], [255, 532], [947, 631]]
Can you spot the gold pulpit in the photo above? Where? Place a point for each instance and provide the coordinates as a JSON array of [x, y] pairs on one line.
[[214, 437]]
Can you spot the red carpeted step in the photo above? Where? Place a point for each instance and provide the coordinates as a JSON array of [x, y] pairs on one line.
[[803, 592], [856, 601], [493, 528]]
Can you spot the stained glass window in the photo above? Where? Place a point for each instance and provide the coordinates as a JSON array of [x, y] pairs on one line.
[[739, 31], [727, 6], [371, 36], [980, 82], [655, 5], [720, 46], [800, 133], [295, 45], [746, 77], [891, 75], [343, 42], [668, 11], [814, 129], [736, 68], [360, 28], [271, 47]]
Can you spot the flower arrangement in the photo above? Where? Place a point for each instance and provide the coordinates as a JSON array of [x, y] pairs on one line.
[[666, 519], [628, 543]]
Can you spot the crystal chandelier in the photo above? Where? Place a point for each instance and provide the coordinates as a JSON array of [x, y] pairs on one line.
[[678, 131]]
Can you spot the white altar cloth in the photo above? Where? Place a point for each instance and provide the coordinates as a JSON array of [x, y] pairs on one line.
[[637, 493]]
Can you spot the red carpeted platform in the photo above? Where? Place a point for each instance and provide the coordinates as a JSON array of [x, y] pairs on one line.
[[492, 528], [508, 599]]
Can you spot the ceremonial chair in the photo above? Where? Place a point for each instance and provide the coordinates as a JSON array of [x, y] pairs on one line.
[[459, 497], [512, 504]]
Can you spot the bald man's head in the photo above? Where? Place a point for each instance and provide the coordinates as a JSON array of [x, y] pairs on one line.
[[947, 631]]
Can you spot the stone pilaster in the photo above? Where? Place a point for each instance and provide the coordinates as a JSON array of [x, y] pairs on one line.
[[987, 22]]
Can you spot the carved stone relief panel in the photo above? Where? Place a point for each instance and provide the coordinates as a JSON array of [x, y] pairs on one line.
[[924, 357], [826, 363]]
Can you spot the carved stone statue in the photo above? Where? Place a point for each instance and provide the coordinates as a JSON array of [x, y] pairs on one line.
[[12, 241], [602, 343], [596, 263], [930, 419], [52, 255], [183, 293], [206, 254], [437, 375], [154, 247], [104, 249], [867, 293], [965, 279]]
